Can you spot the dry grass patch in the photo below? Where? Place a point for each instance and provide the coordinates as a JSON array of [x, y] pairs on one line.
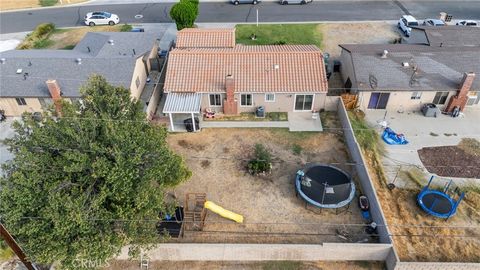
[[355, 33], [20, 4], [418, 236], [68, 38]]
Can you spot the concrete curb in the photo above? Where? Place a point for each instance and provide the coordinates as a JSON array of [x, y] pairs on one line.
[[52, 7]]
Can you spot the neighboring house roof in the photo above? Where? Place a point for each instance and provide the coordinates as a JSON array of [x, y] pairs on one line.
[[438, 68], [206, 38], [455, 36], [275, 68], [115, 62]]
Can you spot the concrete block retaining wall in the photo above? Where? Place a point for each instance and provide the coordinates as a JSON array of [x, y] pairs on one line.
[[266, 252], [363, 175]]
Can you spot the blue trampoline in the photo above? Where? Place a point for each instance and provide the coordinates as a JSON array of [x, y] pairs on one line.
[[438, 203], [325, 186]]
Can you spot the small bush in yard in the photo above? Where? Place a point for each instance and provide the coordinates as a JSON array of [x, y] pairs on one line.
[[262, 162], [38, 38], [126, 28], [297, 149]]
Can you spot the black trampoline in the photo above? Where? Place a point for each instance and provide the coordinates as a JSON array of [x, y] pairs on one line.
[[325, 186]]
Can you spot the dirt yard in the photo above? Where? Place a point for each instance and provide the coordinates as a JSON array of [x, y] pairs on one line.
[[420, 237], [356, 33], [273, 265], [273, 214]]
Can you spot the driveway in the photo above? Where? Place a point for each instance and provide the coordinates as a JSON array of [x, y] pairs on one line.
[[422, 132]]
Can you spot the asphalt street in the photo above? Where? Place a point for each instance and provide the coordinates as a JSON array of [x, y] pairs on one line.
[[218, 12]]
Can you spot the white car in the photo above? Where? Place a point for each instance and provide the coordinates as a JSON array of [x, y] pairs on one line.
[[434, 22], [101, 17], [468, 23], [405, 23]]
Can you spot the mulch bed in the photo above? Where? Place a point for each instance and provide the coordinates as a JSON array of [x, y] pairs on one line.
[[450, 161]]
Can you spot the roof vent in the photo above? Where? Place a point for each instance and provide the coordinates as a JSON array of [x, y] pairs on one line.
[[110, 41], [19, 71], [79, 61], [276, 66], [405, 64], [2, 60], [384, 54]]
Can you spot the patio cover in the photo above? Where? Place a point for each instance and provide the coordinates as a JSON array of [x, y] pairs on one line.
[[182, 103]]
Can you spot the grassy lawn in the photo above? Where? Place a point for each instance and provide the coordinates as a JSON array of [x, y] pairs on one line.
[[269, 34]]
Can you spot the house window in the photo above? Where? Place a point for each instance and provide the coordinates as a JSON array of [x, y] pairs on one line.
[[137, 82], [440, 98], [246, 100], [21, 101], [215, 100], [270, 97], [303, 102], [416, 95], [378, 100]]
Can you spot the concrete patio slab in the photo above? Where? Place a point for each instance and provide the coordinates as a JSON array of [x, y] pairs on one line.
[[245, 124], [421, 132], [303, 121]]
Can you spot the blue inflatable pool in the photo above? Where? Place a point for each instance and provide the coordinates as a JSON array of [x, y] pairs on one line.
[[390, 137]]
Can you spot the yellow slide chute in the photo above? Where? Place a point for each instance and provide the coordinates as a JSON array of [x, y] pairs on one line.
[[223, 212]]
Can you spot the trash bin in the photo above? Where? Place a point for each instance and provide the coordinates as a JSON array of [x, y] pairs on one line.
[[260, 112], [430, 110], [189, 125]]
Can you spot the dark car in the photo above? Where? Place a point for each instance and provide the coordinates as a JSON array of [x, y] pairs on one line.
[[189, 126]]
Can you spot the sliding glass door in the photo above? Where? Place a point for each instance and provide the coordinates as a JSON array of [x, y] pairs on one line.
[[303, 102]]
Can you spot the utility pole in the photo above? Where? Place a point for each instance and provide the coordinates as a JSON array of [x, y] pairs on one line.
[[15, 247]]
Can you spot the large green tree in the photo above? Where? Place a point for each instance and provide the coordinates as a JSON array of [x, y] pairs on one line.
[[86, 183], [184, 13]]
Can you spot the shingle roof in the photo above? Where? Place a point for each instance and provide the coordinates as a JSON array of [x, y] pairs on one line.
[[115, 62], [450, 35], [439, 68], [276, 68], [206, 38]]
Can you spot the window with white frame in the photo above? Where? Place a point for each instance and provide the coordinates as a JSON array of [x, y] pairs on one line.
[[215, 100], [416, 95], [270, 97], [440, 98], [246, 100]]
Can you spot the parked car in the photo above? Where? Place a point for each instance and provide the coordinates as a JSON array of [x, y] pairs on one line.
[[434, 22], [298, 2], [405, 23], [253, 2], [101, 17], [468, 23]]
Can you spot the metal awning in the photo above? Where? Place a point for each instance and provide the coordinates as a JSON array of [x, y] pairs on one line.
[[182, 103]]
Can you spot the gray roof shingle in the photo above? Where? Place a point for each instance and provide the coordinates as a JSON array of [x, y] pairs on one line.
[[438, 68], [115, 62]]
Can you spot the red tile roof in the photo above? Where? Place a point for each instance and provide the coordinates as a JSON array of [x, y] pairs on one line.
[[276, 68], [206, 38]]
